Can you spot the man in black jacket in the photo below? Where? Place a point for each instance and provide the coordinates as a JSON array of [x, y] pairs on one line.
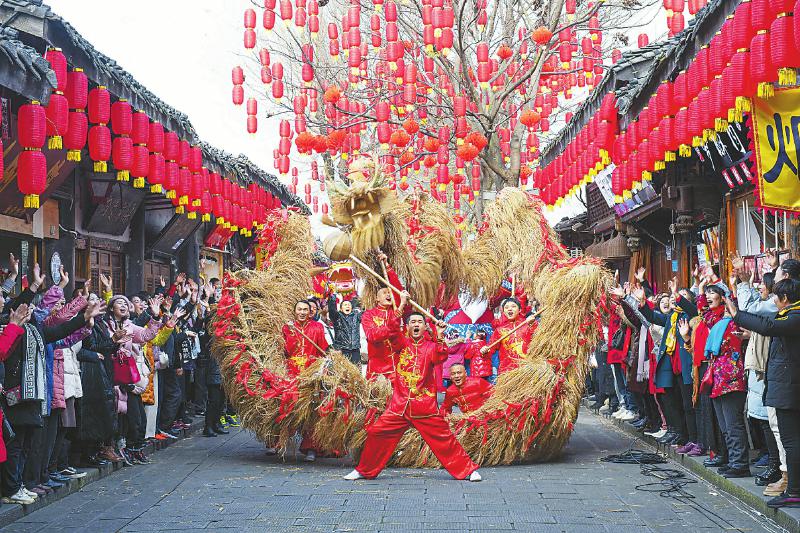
[[782, 383], [346, 328]]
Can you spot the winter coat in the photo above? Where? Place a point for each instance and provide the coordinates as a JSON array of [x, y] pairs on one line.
[[98, 420], [782, 385], [72, 371], [149, 353], [347, 328], [72, 308], [8, 339], [665, 371]]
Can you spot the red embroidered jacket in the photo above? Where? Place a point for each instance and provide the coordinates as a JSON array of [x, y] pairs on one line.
[[514, 347], [300, 353], [468, 397], [414, 384], [384, 339]]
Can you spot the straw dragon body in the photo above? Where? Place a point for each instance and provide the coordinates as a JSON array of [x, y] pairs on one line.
[[531, 413]]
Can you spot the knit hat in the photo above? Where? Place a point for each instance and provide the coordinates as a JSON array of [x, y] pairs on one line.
[[117, 297]]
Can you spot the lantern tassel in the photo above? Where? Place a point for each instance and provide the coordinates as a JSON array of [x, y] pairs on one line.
[[156, 188], [206, 218], [180, 210], [196, 203], [697, 142], [720, 124], [743, 104], [220, 221], [138, 183], [31, 201], [183, 200], [123, 175], [55, 143], [684, 150], [669, 156], [74, 155], [766, 90], [191, 215], [170, 194], [660, 165], [100, 166], [787, 76]]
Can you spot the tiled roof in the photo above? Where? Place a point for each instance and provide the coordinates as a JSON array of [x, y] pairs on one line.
[[36, 19], [23, 69]]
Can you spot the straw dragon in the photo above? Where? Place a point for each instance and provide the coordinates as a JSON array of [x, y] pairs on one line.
[[532, 410]]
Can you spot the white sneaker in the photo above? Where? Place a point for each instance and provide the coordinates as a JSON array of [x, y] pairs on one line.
[[659, 434], [475, 476], [605, 407], [618, 413], [20, 498], [311, 456], [29, 493], [354, 475], [626, 416]]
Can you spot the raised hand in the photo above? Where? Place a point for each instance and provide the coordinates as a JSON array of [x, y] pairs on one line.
[[737, 263], [64, 277], [180, 278], [696, 271], [155, 306], [617, 291], [87, 287], [94, 309], [105, 282], [13, 266], [640, 272], [38, 277], [162, 281], [638, 293], [21, 315], [731, 307], [177, 315], [673, 286], [683, 327], [733, 280], [772, 258]]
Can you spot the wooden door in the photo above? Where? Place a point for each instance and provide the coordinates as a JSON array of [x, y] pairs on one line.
[[153, 272], [111, 264]]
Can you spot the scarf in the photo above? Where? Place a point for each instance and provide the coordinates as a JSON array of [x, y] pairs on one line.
[[672, 332], [643, 367], [33, 367], [715, 338]]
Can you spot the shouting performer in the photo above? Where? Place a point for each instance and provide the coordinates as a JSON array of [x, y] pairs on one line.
[[514, 346], [413, 403], [305, 342], [468, 393], [382, 328]]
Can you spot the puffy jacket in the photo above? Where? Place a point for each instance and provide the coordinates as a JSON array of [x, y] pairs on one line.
[[782, 386], [347, 328], [72, 371]]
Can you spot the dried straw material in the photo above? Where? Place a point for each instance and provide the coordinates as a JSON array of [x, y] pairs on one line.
[[531, 413]]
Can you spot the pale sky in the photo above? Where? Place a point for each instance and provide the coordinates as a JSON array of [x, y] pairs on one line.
[[183, 51]]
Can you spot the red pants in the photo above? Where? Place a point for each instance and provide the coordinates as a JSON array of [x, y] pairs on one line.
[[386, 432]]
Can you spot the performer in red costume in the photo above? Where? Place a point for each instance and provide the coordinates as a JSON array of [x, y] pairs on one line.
[[413, 403], [304, 341], [480, 365], [467, 393], [382, 328], [515, 346]]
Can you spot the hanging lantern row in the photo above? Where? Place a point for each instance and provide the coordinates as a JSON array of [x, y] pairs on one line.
[[756, 47], [140, 148], [585, 155]]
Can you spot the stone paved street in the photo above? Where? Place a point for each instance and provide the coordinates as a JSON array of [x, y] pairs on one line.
[[222, 483]]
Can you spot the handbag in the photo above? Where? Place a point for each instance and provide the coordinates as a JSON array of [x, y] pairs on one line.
[[707, 383], [125, 370], [618, 340]]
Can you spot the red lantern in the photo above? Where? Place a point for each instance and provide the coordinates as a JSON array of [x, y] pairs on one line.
[[140, 166], [75, 140], [122, 157], [156, 172], [31, 176]]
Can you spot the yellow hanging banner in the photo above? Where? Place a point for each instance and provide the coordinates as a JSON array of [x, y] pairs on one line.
[[776, 143]]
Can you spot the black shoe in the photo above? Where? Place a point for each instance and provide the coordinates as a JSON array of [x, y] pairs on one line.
[[96, 461], [668, 437], [738, 472], [592, 398], [784, 500], [723, 470], [639, 423], [200, 412], [208, 432], [715, 462], [770, 475], [221, 430]]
